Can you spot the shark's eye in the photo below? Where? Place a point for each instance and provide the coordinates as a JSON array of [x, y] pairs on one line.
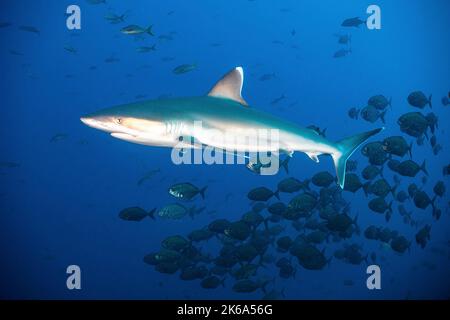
[[118, 120]]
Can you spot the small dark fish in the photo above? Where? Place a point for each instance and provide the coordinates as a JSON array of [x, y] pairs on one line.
[[186, 191], [423, 236], [5, 24], [445, 101], [145, 49], [262, 194], [433, 141], [136, 30], [212, 282], [397, 145], [424, 180], [257, 166], [59, 137], [136, 214], [277, 100], [9, 164], [353, 113], [379, 101], [436, 149], [380, 188], [291, 185], [238, 230], [353, 22], [247, 286], [184, 68], [352, 165], [352, 182], [267, 76], [414, 124], [344, 38], [446, 170], [419, 100], [393, 165], [277, 208], [15, 52], [174, 211], [70, 49], [401, 196], [439, 188], [432, 121], [317, 130], [342, 53], [400, 244], [293, 104], [114, 18], [148, 176], [112, 59], [372, 114], [323, 179], [29, 29], [412, 189], [409, 168], [379, 205], [422, 200]]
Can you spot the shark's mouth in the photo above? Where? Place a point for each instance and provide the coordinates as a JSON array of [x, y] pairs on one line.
[[122, 135], [151, 140], [127, 137]]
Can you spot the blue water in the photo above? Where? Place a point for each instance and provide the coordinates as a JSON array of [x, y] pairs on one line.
[[60, 205]]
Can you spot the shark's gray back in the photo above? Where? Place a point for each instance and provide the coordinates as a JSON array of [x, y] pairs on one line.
[[223, 110]]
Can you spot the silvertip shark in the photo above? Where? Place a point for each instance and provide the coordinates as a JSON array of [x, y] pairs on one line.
[[164, 122]]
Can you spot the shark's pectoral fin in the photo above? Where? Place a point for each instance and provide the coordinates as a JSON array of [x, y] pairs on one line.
[[230, 86], [313, 156]]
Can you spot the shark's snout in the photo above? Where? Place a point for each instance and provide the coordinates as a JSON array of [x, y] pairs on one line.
[[95, 122], [86, 120]]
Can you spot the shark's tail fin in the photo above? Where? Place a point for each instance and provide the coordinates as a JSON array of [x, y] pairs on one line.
[[149, 30], [345, 148]]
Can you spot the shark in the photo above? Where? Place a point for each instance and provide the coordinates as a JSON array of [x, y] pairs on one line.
[[169, 122]]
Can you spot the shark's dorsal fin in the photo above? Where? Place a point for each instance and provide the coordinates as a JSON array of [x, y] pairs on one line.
[[230, 86]]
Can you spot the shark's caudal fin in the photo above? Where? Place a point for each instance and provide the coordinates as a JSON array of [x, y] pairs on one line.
[[346, 148]]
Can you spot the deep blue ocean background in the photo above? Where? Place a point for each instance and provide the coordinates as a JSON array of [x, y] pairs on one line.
[[60, 205]]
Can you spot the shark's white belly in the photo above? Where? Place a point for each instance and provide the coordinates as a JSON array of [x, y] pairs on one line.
[[252, 140]]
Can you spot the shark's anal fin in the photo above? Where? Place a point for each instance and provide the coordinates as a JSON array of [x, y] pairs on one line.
[[230, 86], [313, 156], [287, 152]]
